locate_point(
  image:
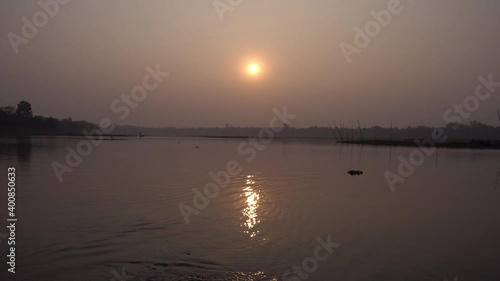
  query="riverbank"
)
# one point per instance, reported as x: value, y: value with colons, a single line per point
x: 471, y: 144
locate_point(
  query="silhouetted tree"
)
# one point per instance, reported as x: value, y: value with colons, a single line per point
x: 24, y: 110
x: 9, y: 110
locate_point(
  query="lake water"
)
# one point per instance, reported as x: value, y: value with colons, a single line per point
x: 116, y: 216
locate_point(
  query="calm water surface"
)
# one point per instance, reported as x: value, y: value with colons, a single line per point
x: 118, y: 212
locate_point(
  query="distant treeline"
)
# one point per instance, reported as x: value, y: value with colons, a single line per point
x: 19, y: 121
x: 472, y: 131
x: 15, y: 121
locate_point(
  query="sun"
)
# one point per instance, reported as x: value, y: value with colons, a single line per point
x: 253, y: 69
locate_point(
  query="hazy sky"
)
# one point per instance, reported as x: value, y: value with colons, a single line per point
x: 91, y: 52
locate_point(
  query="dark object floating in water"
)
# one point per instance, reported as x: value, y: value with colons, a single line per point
x: 355, y: 173
x: 196, y: 147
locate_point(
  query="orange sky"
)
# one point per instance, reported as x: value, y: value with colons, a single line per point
x: 91, y: 52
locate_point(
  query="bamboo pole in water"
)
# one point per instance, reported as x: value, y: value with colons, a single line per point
x: 333, y: 132
x: 341, y: 128
x: 360, y: 131
x: 340, y: 134
x: 390, y: 133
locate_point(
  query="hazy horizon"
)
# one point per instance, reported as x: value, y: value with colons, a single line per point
x: 271, y: 140
x: 426, y: 60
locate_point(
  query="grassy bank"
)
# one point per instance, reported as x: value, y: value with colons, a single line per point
x: 475, y: 144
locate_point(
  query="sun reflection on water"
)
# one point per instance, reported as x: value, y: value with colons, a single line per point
x: 251, y: 207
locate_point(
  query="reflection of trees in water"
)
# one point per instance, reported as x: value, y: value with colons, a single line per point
x: 20, y: 148
x: 497, y: 182
x: 23, y: 149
